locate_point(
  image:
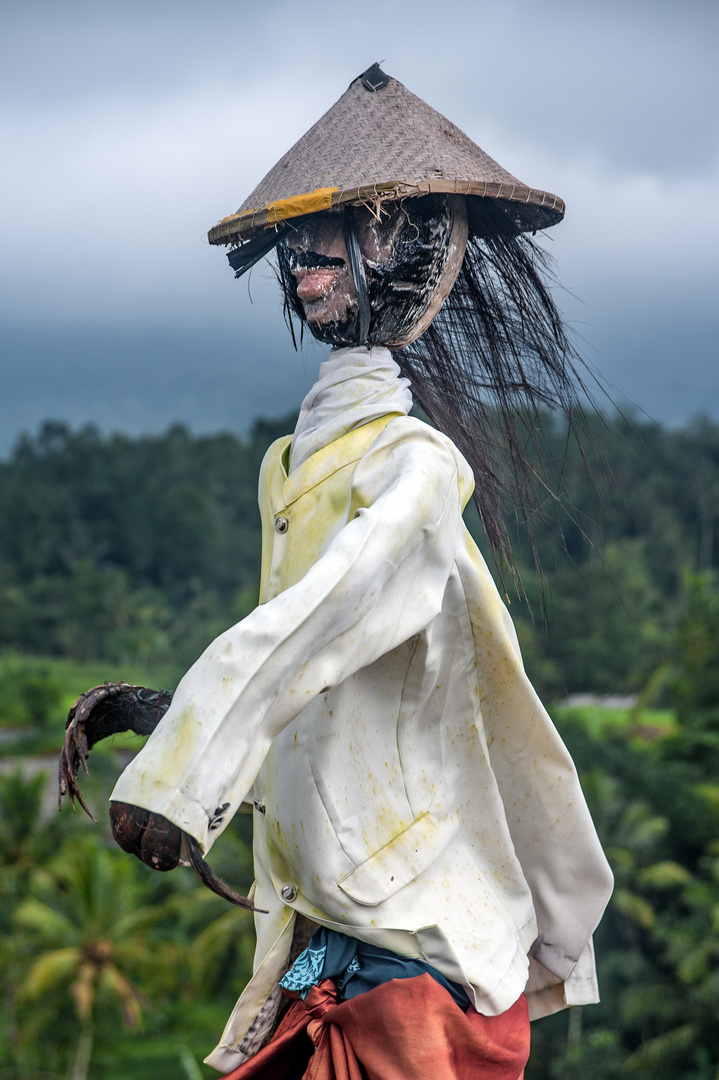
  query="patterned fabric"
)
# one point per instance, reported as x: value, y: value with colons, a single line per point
x: 305, y: 972
x: 405, y: 1028
x: 260, y: 1030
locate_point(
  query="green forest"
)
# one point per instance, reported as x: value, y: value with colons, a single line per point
x: 122, y: 558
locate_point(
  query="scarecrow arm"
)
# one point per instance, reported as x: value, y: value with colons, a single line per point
x: 107, y: 710
x: 102, y: 711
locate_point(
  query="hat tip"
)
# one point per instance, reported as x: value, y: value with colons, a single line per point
x: 374, y: 78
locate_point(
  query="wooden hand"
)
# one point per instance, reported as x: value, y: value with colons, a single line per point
x: 158, y: 843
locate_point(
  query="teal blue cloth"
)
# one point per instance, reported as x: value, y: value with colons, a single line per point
x: 357, y: 967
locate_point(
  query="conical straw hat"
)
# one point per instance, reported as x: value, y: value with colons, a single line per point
x: 379, y: 142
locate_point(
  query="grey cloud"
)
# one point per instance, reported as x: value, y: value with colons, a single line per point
x: 130, y: 128
x: 632, y: 80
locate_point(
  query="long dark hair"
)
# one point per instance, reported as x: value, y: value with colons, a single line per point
x: 490, y: 370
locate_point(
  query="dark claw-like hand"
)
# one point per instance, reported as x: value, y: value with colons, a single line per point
x: 102, y: 711
x: 154, y: 839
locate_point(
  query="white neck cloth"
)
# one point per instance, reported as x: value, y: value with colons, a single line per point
x: 355, y: 385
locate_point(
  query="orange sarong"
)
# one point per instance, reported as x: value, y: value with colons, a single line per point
x: 405, y: 1029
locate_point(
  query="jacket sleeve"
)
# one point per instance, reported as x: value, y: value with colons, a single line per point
x: 380, y: 580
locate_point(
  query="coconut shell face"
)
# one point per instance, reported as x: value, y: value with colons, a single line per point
x: 411, y: 258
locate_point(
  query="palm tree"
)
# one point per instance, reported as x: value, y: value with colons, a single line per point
x: 88, y: 931
x: 26, y: 842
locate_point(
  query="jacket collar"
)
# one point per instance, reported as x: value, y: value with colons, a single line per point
x: 330, y: 459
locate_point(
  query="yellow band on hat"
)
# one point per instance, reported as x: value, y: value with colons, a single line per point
x: 279, y: 209
x: 311, y: 203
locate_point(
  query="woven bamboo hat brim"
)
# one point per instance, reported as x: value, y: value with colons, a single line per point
x: 381, y: 144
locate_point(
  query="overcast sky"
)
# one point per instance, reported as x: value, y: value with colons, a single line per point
x: 128, y: 128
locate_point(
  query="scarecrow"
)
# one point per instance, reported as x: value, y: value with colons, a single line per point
x: 428, y: 877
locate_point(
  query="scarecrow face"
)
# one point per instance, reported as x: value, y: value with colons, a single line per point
x: 319, y: 265
x: 411, y: 258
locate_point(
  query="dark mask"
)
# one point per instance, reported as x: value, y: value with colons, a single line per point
x: 405, y: 265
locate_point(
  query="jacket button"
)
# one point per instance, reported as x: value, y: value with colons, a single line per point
x: 281, y: 524
x: 288, y: 893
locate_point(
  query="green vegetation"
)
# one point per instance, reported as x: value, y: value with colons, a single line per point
x: 122, y: 558
x: 108, y: 969
x: 656, y: 806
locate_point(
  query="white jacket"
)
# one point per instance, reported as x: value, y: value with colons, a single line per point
x: 409, y: 788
